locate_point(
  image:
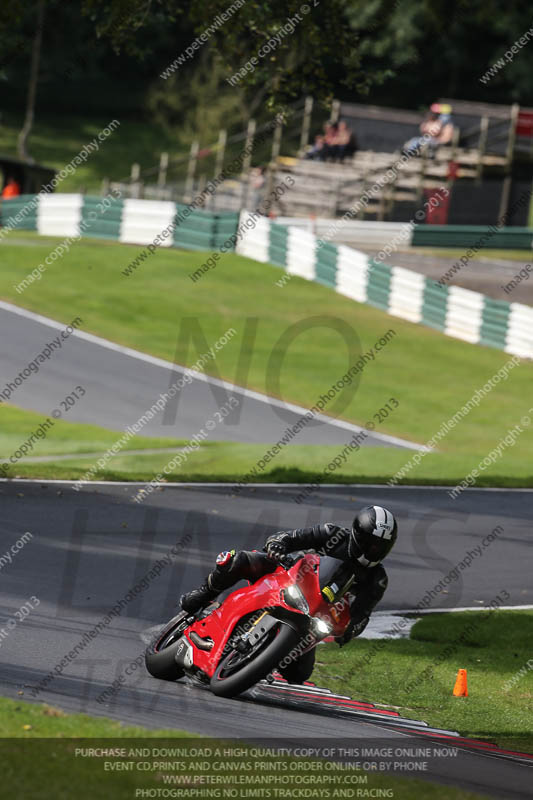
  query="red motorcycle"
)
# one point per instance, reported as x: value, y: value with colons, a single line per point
x: 234, y: 644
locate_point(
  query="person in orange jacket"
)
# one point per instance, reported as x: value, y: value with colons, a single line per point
x: 11, y: 189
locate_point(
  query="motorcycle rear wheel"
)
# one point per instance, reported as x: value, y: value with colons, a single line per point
x: 236, y: 672
x: 160, y: 654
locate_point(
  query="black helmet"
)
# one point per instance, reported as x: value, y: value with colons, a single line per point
x: 374, y: 532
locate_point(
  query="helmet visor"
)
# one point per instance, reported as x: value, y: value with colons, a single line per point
x: 373, y: 548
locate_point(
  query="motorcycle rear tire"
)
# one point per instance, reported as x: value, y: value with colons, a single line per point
x: 161, y: 663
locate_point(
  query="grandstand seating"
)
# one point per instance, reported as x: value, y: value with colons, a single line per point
x: 328, y: 189
x: 331, y: 189
x: 483, y: 147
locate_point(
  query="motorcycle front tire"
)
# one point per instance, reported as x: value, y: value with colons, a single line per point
x: 267, y: 659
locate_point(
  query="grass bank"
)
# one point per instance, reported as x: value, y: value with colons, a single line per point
x: 417, y: 675
x: 431, y: 376
x: 72, y: 449
x: 55, y: 141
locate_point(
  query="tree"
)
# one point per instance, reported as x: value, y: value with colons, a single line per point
x: 32, y: 85
x: 437, y: 48
x: 406, y: 51
x: 396, y: 52
x: 313, y: 46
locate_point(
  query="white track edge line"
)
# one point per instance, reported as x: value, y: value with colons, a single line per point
x: 263, y: 398
x: 450, y: 610
x: 207, y: 484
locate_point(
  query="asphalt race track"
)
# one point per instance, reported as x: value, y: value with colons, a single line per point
x: 121, y: 386
x: 488, y: 275
x: 89, y: 549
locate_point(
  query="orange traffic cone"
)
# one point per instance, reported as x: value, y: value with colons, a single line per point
x: 461, y: 686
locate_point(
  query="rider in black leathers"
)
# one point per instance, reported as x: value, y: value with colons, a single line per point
x: 370, y: 539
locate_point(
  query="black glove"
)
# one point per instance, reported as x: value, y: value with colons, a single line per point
x: 346, y: 636
x: 275, y: 550
x: 354, y: 628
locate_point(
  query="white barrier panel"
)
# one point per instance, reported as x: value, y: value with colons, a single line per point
x: 144, y: 220
x: 352, y: 273
x: 301, y: 247
x: 464, y: 314
x: 519, y: 340
x: 304, y: 223
x: 59, y: 214
x: 367, y: 233
x: 406, y: 294
x: 254, y: 242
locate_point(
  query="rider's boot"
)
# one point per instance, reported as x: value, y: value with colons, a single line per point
x: 220, y: 579
x: 198, y: 598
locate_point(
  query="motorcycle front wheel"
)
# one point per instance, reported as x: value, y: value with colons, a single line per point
x: 238, y: 671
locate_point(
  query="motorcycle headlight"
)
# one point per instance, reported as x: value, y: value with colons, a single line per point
x: 322, y: 628
x: 294, y: 597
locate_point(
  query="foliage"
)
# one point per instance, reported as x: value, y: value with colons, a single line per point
x: 405, y: 53
x: 200, y: 106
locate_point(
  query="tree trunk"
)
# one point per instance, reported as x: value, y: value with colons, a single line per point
x: 32, y: 86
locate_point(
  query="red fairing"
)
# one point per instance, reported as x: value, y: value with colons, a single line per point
x: 265, y: 593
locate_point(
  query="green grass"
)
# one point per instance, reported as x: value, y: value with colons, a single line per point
x: 226, y: 461
x: 17, y: 425
x: 392, y: 672
x: 220, y: 461
x: 64, y: 437
x: 55, y: 769
x: 42, y: 721
x: 431, y: 375
x: 55, y: 143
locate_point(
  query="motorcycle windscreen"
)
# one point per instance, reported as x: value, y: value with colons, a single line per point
x: 335, y: 578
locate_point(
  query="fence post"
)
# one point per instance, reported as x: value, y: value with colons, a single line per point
x: 455, y: 143
x: 248, y: 147
x: 482, y: 145
x: 247, y: 162
x: 191, y: 169
x: 276, y: 147
x: 422, y: 174
x: 221, y: 148
x: 515, y: 109
x: 163, y: 166
x: 335, y: 110
x: 530, y: 210
x: 135, y: 185
x: 506, y: 187
x: 504, y: 199
x: 276, y: 140
x: 360, y: 213
x: 306, y: 124
x: 200, y: 186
